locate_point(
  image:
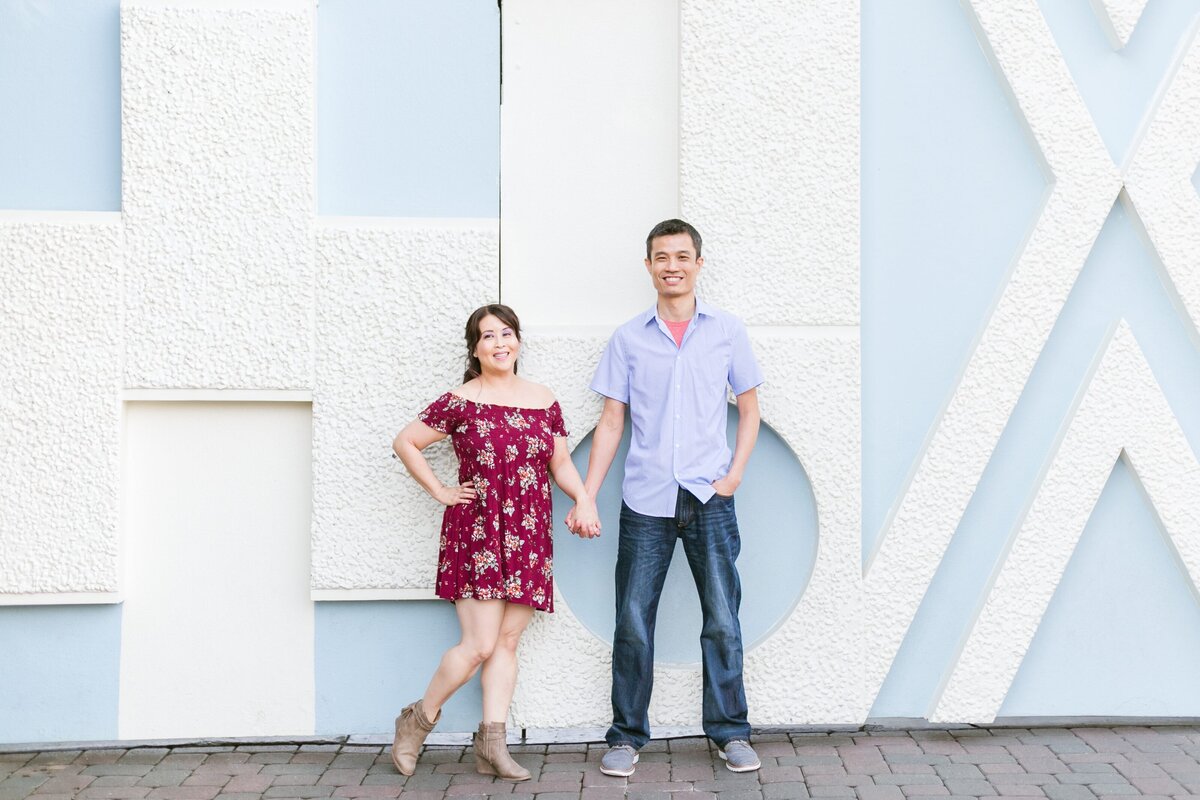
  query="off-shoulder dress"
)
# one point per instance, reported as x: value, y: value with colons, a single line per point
x: 500, y: 547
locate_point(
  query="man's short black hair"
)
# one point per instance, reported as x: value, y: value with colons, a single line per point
x: 670, y: 227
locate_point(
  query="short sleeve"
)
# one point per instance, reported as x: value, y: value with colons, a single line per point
x: 744, y: 373
x: 612, y: 374
x: 558, y: 426
x: 444, y: 414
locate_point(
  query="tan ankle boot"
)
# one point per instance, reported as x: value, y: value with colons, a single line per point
x: 491, y: 753
x: 412, y: 726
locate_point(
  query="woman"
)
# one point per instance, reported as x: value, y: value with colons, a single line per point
x: 495, y: 561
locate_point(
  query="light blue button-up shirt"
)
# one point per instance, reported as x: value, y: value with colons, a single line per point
x: 677, y: 397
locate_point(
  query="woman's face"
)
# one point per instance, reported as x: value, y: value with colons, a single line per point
x: 498, y: 346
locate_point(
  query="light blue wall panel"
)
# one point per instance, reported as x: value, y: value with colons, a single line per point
x: 777, y: 518
x: 408, y: 108
x: 60, y: 105
x: 1119, y: 280
x: 374, y: 658
x: 1096, y: 653
x: 904, y: 50
x: 59, y: 672
x: 1119, y: 87
x: 950, y: 186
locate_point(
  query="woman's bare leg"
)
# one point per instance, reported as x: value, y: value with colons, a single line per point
x: 481, y: 624
x: 499, y: 677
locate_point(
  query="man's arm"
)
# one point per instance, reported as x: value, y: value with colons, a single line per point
x: 605, y: 442
x: 747, y: 435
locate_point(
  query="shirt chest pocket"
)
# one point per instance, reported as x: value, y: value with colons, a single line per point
x: 708, y: 366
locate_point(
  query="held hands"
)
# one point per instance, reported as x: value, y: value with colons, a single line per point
x: 584, y: 520
x: 456, y: 495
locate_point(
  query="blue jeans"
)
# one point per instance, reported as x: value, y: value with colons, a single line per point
x: 711, y: 542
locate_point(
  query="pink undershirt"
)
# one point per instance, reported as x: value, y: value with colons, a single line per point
x: 677, y: 330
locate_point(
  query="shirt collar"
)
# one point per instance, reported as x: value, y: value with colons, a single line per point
x: 702, y: 309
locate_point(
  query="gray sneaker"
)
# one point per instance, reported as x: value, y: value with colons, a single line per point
x: 739, y: 756
x: 619, y: 761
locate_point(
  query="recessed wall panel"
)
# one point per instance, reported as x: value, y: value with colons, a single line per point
x: 590, y: 152
x: 217, y: 634
x: 408, y: 108
x: 60, y: 88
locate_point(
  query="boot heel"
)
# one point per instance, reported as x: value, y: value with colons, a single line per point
x: 483, y: 766
x: 491, y: 754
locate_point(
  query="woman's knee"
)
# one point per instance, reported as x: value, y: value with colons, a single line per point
x: 508, y: 640
x: 516, y: 619
x: 478, y: 652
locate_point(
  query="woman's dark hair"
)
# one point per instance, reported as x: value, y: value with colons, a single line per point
x: 500, y: 312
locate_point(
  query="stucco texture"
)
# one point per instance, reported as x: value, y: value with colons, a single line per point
x: 769, y: 156
x: 60, y: 370
x: 218, y: 163
x: 392, y: 303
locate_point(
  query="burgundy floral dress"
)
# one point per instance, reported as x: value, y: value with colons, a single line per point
x: 499, y: 547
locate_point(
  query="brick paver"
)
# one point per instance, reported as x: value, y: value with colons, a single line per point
x: 1153, y: 762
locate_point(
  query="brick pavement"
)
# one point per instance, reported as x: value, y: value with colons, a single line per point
x: 1055, y: 763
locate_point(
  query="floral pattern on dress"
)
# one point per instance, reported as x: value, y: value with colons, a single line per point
x: 500, y: 547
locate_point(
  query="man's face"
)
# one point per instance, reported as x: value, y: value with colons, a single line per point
x: 673, y: 265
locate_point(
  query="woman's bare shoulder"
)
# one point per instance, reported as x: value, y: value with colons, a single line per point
x: 538, y: 396
x: 468, y: 390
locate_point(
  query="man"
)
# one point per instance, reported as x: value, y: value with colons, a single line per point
x: 672, y: 366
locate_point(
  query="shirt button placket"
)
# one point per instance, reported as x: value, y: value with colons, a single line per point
x: 675, y: 424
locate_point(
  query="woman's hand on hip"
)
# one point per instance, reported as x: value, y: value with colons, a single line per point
x: 457, y: 495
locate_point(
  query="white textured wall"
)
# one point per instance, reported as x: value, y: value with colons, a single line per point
x: 60, y: 367
x: 393, y: 300
x: 218, y: 160
x: 1118, y: 18
x: 217, y: 275
x: 768, y: 139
